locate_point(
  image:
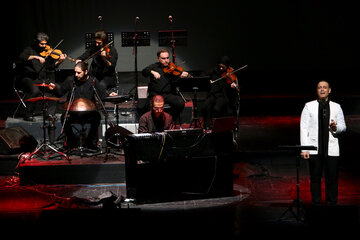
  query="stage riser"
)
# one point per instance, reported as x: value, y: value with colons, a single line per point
x: 128, y: 121
x: 35, y: 128
x: 72, y: 173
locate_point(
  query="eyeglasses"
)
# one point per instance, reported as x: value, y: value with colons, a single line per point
x: 158, y: 109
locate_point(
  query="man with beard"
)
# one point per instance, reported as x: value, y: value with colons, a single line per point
x: 83, y: 88
x: 104, y: 62
x: 35, y: 68
x: 155, y: 120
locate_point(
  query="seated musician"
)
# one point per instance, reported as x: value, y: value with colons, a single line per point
x: 155, y: 120
x: 165, y: 84
x: 222, y: 96
x: 81, y: 86
x: 34, y: 68
x: 103, y: 64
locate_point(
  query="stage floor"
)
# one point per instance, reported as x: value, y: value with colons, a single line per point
x: 264, y: 188
x: 264, y: 182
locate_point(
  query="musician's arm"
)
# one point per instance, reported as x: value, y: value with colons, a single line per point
x: 143, y: 126
x: 85, y: 55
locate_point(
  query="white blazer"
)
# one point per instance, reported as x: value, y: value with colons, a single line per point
x: 309, y: 126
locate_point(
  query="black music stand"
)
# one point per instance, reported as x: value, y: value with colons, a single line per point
x: 196, y: 83
x: 168, y: 38
x: 300, y: 212
x: 135, y: 39
x: 90, y: 39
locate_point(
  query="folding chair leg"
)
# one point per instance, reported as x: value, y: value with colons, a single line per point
x: 20, y: 103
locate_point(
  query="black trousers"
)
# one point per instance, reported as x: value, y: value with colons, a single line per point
x: 329, y: 165
x: 214, y: 106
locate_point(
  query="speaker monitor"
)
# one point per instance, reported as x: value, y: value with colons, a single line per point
x: 16, y: 140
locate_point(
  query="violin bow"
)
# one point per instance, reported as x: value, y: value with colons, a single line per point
x: 245, y: 66
x: 91, y: 56
x: 57, y: 45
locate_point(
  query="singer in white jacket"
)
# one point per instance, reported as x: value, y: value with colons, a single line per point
x: 320, y: 125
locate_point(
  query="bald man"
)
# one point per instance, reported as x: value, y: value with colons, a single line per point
x: 155, y: 120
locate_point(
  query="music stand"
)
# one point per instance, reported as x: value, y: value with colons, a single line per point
x: 135, y: 39
x: 197, y: 83
x: 300, y: 212
x: 90, y: 38
x: 165, y: 37
x: 168, y: 38
x: 128, y: 39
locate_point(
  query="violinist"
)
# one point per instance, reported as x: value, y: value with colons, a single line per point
x: 34, y: 67
x: 163, y: 82
x: 222, y: 96
x: 103, y: 65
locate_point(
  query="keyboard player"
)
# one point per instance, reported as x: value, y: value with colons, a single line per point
x: 156, y: 120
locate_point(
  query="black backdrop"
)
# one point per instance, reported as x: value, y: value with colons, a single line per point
x: 287, y: 44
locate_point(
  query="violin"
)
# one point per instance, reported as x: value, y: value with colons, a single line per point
x: 173, y: 69
x: 229, y: 75
x: 105, y: 48
x: 55, y: 54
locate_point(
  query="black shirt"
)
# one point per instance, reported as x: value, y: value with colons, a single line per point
x: 324, y: 117
x: 217, y: 88
x: 165, y: 84
x: 82, y: 89
x: 99, y: 67
x: 34, y: 69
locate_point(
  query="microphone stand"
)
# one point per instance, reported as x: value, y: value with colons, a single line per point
x: 99, y: 99
x: 237, y: 128
x: 71, y: 100
x: 172, y: 40
x: 135, y: 56
x: 135, y: 61
x: 106, y: 114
